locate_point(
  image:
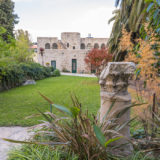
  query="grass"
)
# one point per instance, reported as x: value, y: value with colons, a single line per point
x: 19, y: 103
x: 38, y: 152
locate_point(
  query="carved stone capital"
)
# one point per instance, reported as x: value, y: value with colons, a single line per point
x: 114, y: 78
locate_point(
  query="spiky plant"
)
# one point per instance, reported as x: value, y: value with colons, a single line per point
x: 81, y: 133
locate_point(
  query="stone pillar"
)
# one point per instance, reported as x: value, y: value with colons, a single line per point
x: 114, y: 87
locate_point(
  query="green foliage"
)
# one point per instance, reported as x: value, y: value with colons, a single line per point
x: 56, y: 73
x: 153, y: 18
x: 13, y: 74
x: 80, y: 133
x: 133, y: 15
x: 38, y: 152
x: 4, y: 46
x: 65, y: 70
x: 19, y: 103
x: 129, y: 15
x: 17, y: 50
x: 21, y: 51
x: 7, y: 18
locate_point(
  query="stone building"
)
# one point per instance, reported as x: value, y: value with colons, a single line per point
x: 68, y: 53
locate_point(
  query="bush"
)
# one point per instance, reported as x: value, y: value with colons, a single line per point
x: 40, y: 152
x: 79, y: 134
x: 65, y: 70
x: 56, y: 73
x: 13, y: 75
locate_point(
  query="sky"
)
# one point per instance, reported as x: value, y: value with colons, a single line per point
x: 48, y: 18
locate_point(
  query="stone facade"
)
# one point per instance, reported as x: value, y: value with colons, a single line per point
x: 69, y: 52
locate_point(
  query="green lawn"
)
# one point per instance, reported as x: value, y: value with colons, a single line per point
x: 19, y: 103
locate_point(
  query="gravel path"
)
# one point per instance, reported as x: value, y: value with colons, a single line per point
x: 79, y: 75
x: 16, y: 133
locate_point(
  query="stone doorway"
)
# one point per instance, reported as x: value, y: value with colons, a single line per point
x: 74, y: 66
x: 53, y: 64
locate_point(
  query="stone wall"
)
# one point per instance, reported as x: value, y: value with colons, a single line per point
x: 64, y: 58
x: 68, y: 48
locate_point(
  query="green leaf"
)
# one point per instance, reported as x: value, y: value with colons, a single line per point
x: 75, y: 111
x: 39, y: 143
x: 45, y: 116
x: 150, y: 6
x: 148, y: 1
x: 158, y: 1
x: 46, y: 98
x: 112, y: 140
x: 123, y: 111
x: 109, y: 110
x: 156, y: 13
x: 99, y: 135
x: 63, y: 109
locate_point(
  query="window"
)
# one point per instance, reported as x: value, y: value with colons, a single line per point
x: 89, y: 46
x: 96, y: 46
x: 82, y: 46
x: 67, y: 45
x: 74, y: 47
x: 103, y: 46
x: 54, y: 46
x: 47, y: 46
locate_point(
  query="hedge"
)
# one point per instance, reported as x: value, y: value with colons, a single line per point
x: 14, y: 75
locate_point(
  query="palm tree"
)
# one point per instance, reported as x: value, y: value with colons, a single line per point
x: 130, y: 15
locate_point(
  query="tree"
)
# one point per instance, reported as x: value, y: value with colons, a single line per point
x: 18, y: 50
x: 21, y: 34
x: 5, y: 48
x: 153, y: 18
x: 97, y: 59
x: 7, y: 18
x: 146, y: 55
x: 22, y: 52
x: 129, y: 15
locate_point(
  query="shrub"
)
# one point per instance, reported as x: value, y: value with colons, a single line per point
x: 12, y: 75
x: 40, y: 152
x: 82, y: 134
x: 65, y: 70
x: 56, y: 73
x: 97, y: 59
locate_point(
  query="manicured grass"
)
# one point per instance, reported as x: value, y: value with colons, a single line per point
x: 19, y: 103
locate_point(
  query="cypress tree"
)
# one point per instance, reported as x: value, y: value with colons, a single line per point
x: 7, y: 18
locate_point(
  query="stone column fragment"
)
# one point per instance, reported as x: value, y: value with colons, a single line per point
x: 114, y: 87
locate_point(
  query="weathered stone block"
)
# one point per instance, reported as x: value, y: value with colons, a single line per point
x: 114, y: 88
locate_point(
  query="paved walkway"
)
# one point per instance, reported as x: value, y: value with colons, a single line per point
x: 15, y: 133
x: 76, y: 74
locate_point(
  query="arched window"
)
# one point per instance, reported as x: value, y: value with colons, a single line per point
x: 103, y: 46
x: 54, y: 46
x: 96, y: 46
x: 89, y: 45
x: 67, y: 45
x: 47, y: 46
x: 74, y: 47
x: 82, y: 46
